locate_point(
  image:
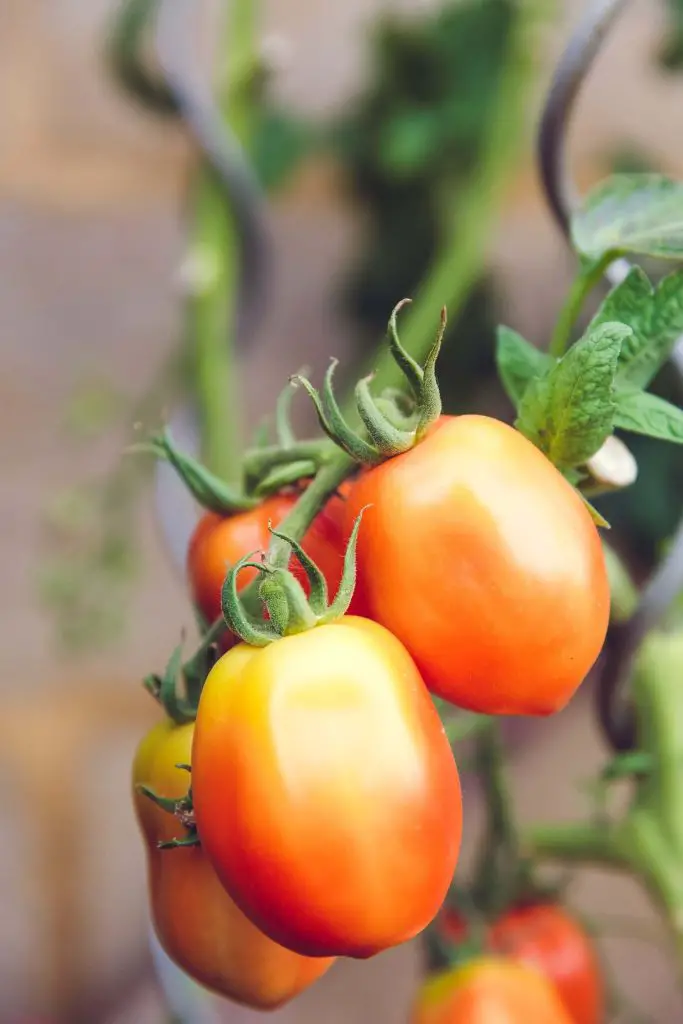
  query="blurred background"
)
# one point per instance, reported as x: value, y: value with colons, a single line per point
x: 372, y: 117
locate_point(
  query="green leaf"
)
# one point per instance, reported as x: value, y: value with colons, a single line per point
x: 518, y: 363
x: 637, y: 213
x: 655, y: 315
x: 643, y: 413
x: 569, y: 413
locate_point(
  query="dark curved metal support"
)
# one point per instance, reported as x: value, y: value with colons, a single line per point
x: 572, y: 69
x: 615, y: 710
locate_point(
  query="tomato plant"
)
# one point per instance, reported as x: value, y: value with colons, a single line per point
x: 489, y: 991
x: 219, y: 541
x: 197, y: 923
x: 481, y: 558
x: 547, y: 937
x: 325, y: 790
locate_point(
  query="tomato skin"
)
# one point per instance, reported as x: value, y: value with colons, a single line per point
x: 325, y: 790
x: 489, y: 991
x: 547, y: 937
x: 196, y: 922
x: 481, y: 558
x: 218, y: 542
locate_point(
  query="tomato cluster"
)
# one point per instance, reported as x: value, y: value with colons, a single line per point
x: 325, y: 797
x: 543, y: 935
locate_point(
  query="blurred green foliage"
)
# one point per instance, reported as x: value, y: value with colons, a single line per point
x: 413, y: 137
x: 671, y: 53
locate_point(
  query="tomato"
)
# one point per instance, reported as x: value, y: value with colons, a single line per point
x: 220, y: 541
x: 481, y: 558
x: 489, y: 991
x: 325, y: 790
x: 197, y: 923
x: 547, y: 937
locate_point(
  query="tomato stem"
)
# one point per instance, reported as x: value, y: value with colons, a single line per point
x: 212, y: 308
x: 575, y: 842
x: 258, y: 462
x: 501, y: 868
x: 470, y: 211
x: 584, y: 283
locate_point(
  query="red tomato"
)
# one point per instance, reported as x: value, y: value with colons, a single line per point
x: 545, y: 936
x: 481, y: 558
x: 489, y: 991
x: 197, y: 923
x: 325, y: 790
x: 220, y: 541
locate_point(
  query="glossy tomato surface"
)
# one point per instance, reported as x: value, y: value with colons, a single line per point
x: 197, y: 923
x: 325, y: 790
x: 546, y: 936
x: 220, y: 541
x: 479, y: 556
x: 489, y: 991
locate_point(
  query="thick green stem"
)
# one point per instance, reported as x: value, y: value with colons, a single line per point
x: 583, y: 285
x: 580, y: 842
x: 469, y: 217
x: 213, y: 306
x: 624, y: 593
x: 295, y: 524
x: 657, y: 692
x: 500, y: 868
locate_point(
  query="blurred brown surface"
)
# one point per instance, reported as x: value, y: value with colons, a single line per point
x: 90, y: 244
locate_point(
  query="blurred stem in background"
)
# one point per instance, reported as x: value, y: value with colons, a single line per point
x: 215, y: 257
x: 469, y: 212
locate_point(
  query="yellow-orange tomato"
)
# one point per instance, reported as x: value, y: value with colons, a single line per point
x: 481, y: 558
x: 490, y: 991
x: 197, y: 923
x: 218, y: 542
x: 325, y: 791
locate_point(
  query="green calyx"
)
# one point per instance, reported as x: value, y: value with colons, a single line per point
x: 182, y: 809
x: 267, y: 468
x: 188, y: 679
x: 289, y: 609
x: 393, y: 421
x: 210, y: 491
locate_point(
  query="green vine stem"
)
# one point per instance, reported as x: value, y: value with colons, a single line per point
x: 215, y: 260
x: 313, y: 499
x: 583, y: 285
x: 624, y: 594
x: 499, y: 865
x: 575, y: 843
x: 648, y: 840
x: 469, y: 216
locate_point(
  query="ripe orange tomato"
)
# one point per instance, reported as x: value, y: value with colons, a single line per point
x: 481, y: 558
x: 220, y: 541
x: 325, y: 790
x: 197, y: 923
x: 545, y: 936
x: 489, y: 991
